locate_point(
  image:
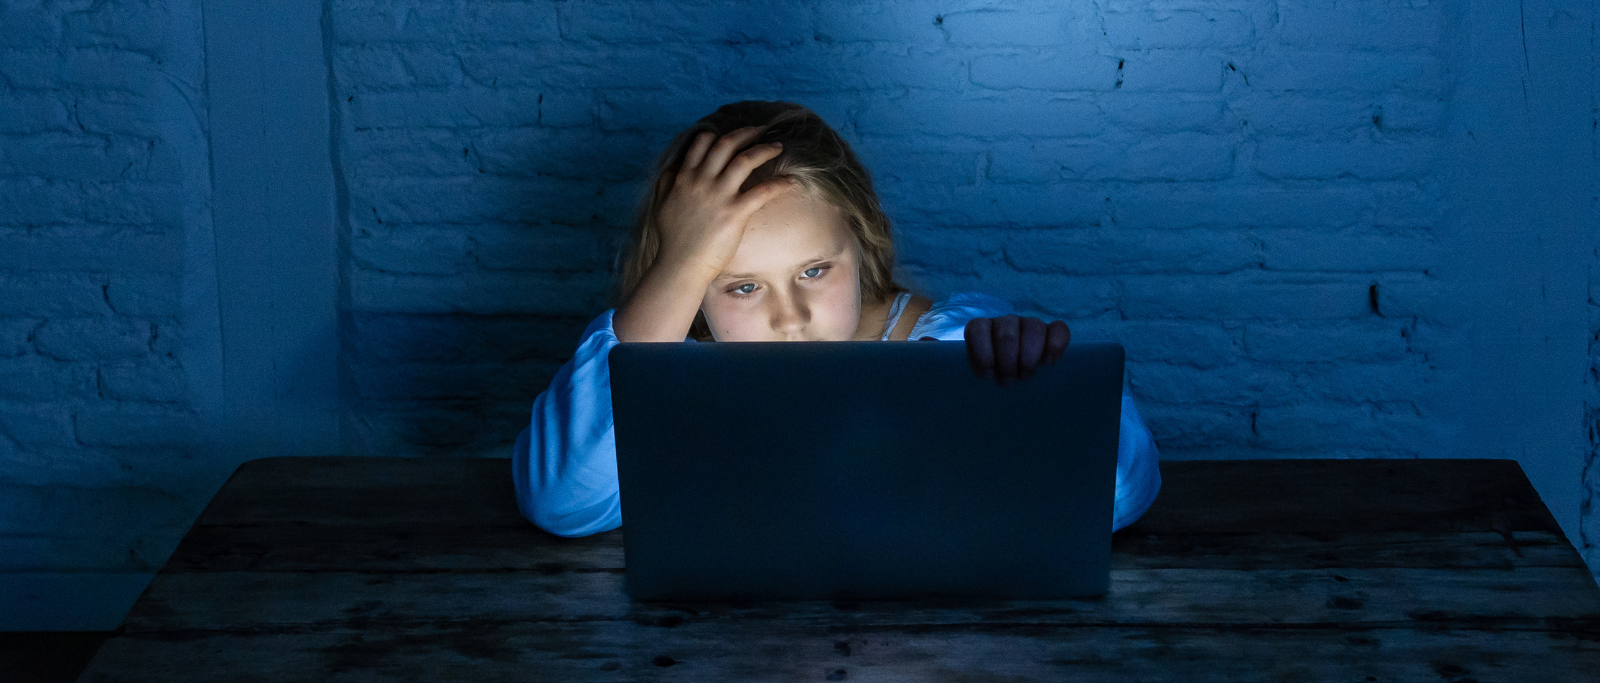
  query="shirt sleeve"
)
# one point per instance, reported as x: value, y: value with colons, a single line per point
x: 564, y: 465
x: 1138, y: 471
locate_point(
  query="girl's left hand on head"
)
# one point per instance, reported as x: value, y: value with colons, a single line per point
x: 1009, y: 348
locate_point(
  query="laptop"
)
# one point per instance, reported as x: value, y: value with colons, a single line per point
x: 862, y: 470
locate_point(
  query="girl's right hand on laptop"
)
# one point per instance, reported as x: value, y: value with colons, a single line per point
x: 1011, y: 348
x: 704, y: 215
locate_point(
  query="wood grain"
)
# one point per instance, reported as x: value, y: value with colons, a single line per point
x: 351, y: 569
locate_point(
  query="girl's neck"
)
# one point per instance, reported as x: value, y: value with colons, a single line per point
x: 874, y: 315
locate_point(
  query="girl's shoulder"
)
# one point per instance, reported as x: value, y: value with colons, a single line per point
x: 947, y: 318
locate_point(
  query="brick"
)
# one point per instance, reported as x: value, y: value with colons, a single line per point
x: 149, y: 381
x: 481, y: 199
x: 901, y: 163
x: 573, y: 67
x: 1344, y: 71
x: 1061, y: 296
x: 1408, y: 294
x: 1113, y: 250
x: 142, y: 427
x: 37, y: 424
x: 1245, y: 295
x: 1164, y: 112
x: 399, y: 152
x: 1322, y: 426
x: 409, y: 250
x: 1171, y: 71
x: 375, y: 68
x: 825, y: 68
x: 31, y: 26
x: 483, y: 428
x: 569, y: 154
x: 1014, y: 28
x: 97, y: 67
x: 508, y: 21
x: 391, y: 21
x: 1240, y: 383
x: 79, y: 511
x: 566, y: 109
x: 456, y: 108
x: 1309, y: 342
x: 1053, y: 71
x: 415, y: 381
x: 125, y: 26
x: 1162, y: 29
x: 16, y: 336
x: 36, y: 378
x: 538, y: 248
x: 578, y: 294
x: 22, y: 112
x: 92, y: 249
x: 1347, y: 250
x: 1172, y: 157
x: 627, y: 22
x: 1011, y: 205
x: 148, y: 296
x: 1405, y: 205
x: 924, y: 115
x: 30, y: 69
x: 1273, y: 384
x: 1315, y: 159
x: 94, y: 338
x: 1200, y: 205
x: 657, y: 111
x: 1367, y: 26
x: 1196, y: 425
x: 43, y: 295
x: 35, y: 201
x: 117, y: 112
x: 902, y: 23
x: 461, y: 339
x: 1200, y: 344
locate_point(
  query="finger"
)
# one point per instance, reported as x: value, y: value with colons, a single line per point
x: 980, y: 347
x: 665, y: 183
x: 1031, y: 347
x: 697, y: 150
x: 754, y: 198
x: 1056, y: 342
x: 1005, y: 349
x: 742, y: 166
x: 722, y: 150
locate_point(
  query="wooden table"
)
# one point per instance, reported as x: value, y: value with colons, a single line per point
x: 363, y: 569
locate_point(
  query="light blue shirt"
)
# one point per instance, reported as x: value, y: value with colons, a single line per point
x: 565, y: 462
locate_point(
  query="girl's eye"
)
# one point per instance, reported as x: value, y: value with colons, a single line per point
x: 745, y: 288
x: 812, y: 272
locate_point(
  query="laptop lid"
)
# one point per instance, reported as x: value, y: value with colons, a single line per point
x: 862, y: 470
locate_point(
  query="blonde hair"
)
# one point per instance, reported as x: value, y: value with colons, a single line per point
x: 813, y: 154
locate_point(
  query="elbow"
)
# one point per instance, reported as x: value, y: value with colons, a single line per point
x: 557, y: 509
x: 574, y: 522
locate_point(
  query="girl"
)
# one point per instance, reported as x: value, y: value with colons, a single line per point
x: 761, y: 225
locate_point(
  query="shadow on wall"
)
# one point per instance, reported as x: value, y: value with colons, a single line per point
x: 1130, y: 171
x: 488, y: 205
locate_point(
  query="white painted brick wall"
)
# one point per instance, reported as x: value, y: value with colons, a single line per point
x: 95, y: 411
x: 1228, y: 188
x: 1245, y: 193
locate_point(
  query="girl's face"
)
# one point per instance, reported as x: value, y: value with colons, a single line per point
x: 795, y: 277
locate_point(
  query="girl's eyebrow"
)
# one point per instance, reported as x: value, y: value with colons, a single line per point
x: 812, y: 260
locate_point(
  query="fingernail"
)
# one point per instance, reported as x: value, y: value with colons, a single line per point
x: 779, y: 145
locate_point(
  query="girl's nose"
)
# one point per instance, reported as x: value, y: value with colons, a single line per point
x: 790, y: 315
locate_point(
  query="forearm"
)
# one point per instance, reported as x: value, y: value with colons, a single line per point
x: 662, y: 308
